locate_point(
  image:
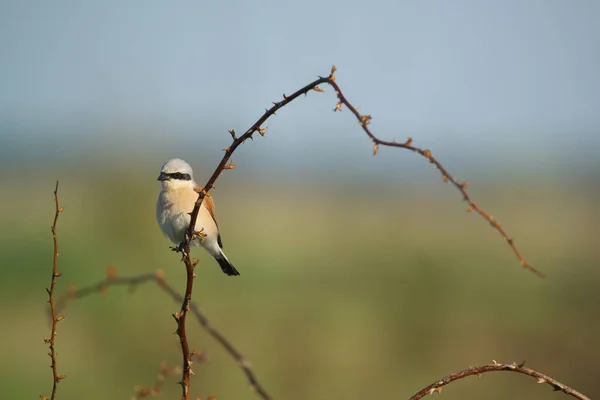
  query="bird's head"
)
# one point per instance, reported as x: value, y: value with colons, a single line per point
x: 176, y: 174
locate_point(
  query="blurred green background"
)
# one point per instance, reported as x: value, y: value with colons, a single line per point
x: 348, y: 289
x: 361, y: 276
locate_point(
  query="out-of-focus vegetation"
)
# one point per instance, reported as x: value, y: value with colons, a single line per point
x: 346, y: 290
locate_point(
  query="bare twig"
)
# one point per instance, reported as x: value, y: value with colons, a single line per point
x: 461, y: 186
x: 180, y: 318
x: 478, y: 371
x: 158, y: 277
x: 55, y: 320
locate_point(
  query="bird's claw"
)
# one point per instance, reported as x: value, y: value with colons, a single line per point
x: 178, y: 249
x: 200, y: 235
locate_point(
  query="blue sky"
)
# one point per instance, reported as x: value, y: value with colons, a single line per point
x: 489, y: 75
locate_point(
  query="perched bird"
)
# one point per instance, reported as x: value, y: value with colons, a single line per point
x: 176, y: 202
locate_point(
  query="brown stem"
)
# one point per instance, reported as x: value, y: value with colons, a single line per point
x: 55, y: 320
x: 496, y: 367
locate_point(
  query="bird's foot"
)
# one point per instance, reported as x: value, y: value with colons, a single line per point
x: 200, y: 235
x: 178, y: 249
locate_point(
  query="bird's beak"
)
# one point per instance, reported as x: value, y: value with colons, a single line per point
x: 163, y: 177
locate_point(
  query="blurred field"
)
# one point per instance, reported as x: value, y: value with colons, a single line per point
x: 346, y: 292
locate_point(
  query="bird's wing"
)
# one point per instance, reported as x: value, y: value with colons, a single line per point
x: 210, y: 206
x: 208, y: 203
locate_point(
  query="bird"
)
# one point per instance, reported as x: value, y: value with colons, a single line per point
x: 176, y: 201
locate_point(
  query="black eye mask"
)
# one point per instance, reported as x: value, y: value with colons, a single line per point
x: 180, y: 176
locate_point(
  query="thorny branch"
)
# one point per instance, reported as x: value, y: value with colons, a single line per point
x: 461, y: 186
x: 55, y: 320
x: 364, y: 121
x: 478, y: 371
x: 158, y: 277
x: 257, y: 127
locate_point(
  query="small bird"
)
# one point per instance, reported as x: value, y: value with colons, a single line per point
x: 175, y: 203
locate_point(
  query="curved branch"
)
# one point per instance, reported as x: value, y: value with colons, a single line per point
x: 257, y: 127
x: 364, y: 121
x: 496, y: 367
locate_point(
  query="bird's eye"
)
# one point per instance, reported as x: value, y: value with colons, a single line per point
x: 180, y: 176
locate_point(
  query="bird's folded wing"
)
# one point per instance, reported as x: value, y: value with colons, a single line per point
x: 209, y: 203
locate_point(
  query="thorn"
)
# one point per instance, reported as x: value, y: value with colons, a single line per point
x: 60, y: 318
x: 284, y: 97
x: 435, y: 389
x: 332, y: 73
x: 541, y: 380
x: 262, y: 131
x: 494, y: 223
x: 338, y: 107
x: 495, y: 362
x: 318, y: 89
x: 227, y: 149
x: 375, y: 149
x: 408, y: 142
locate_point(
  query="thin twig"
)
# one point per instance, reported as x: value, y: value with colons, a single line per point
x: 495, y: 367
x: 158, y: 277
x: 55, y: 320
x: 181, y: 316
x: 461, y: 186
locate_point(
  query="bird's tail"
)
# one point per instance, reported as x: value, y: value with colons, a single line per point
x: 225, y: 265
